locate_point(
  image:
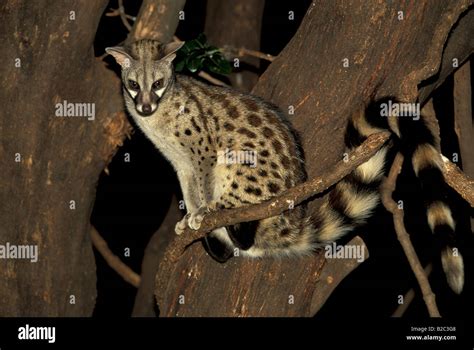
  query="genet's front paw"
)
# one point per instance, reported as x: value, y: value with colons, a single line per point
x: 195, y: 218
x: 181, y: 225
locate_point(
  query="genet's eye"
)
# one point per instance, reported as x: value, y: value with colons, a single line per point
x: 133, y: 85
x: 158, y: 84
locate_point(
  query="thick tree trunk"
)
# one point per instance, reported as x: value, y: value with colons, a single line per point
x: 50, y: 164
x: 343, y: 54
x: 238, y: 24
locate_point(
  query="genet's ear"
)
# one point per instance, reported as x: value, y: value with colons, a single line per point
x: 170, y: 51
x: 120, y: 55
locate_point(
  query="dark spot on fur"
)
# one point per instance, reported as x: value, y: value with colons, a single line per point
x: 199, y: 151
x: 216, y: 122
x: 254, y: 120
x: 285, y: 232
x: 263, y: 161
x: 253, y: 190
x: 206, y: 149
x: 285, y: 161
x: 229, y: 126
x: 273, y: 187
x: 195, y: 126
x: 276, y: 175
x: 186, y: 110
x: 251, y: 104
x: 288, y: 183
x: 267, y: 132
x: 252, y: 178
x: 192, y: 150
x: 209, y: 140
x: 264, y: 153
x: 277, y: 146
x: 176, y: 134
x: 249, y: 144
x: 239, y: 173
x: 274, y: 165
x: 247, y: 132
x: 233, y: 112
x: 187, y: 132
x: 262, y: 173
x: 234, y: 185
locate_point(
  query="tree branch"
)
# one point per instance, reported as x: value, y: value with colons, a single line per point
x: 410, y: 295
x: 113, y: 261
x: 459, y: 181
x: 272, y: 207
x: 157, y: 19
x: 242, y: 51
x: 123, y: 15
x: 387, y: 188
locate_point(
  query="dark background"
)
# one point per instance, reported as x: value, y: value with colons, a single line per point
x: 134, y: 197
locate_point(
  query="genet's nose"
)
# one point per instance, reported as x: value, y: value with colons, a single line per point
x: 146, y: 109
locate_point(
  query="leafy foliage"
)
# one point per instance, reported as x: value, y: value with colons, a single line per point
x: 197, y: 54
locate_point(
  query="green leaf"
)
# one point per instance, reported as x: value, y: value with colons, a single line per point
x: 197, y: 54
x: 179, y: 65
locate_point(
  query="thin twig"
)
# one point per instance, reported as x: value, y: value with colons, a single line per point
x: 242, y: 51
x: 409, y: 296
x: 458, y: 181
x: 113, y: 261
x: 123, y: 15
x: 272, y: 207
x: 387, y: 188
x: 116, y: 12
x: 211, y: 79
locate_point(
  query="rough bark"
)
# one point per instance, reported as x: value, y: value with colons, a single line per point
x: 238, y: 24
x: 275, y: 288
x: 157, y: 19
x: 463, y: 118
x: 61, y: 157
x: 387, y: 56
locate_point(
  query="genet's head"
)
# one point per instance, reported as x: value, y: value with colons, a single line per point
x: 147, y: 71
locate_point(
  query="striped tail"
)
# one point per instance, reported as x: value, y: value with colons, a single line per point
x: 354, y: 198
